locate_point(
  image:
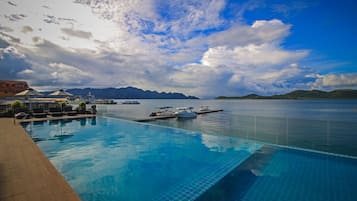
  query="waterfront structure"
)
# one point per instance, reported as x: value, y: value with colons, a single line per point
x: 9, y: 88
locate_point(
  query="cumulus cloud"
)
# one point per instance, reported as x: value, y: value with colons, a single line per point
x: 77, y: 33
x: 26, y: 29
x: 185, y: 46
x: 11, y: 62
x: 258, y: 64
x: 6, y: 29
x: 10, y: 50
x: 15, y: 17
x: 336, y: 80
x: 265, y: 54
x: 261, y: 31
x: 58, y: 74
x: 50, y: 19
x: 11, y: 3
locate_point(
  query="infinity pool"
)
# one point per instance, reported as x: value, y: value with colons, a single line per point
x: 110, y: 159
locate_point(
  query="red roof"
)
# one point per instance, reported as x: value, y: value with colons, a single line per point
x: 9, y: 88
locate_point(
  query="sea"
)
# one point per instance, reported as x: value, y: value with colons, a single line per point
x: 321, y: 125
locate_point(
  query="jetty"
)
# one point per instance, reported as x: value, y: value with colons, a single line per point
x: 162, y: 117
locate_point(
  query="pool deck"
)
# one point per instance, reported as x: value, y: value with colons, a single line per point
x: 25, y: 172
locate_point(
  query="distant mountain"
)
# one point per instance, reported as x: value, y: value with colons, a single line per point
x: 128, y: 93
x: 303, y: 94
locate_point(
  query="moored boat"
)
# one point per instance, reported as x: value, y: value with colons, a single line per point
x: 130, y: 102
x: 204, y: 108
x: 163, y: 111
x: 105, y: 101
x: 185, y: 113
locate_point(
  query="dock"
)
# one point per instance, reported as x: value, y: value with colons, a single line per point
x: 207, y: 111
x: 174, y: 116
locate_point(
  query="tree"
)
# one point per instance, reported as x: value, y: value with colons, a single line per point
x: 82, y: 107
x: 16, y: 105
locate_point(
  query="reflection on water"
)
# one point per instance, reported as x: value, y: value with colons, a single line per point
x: 93, y: 121
x: 54, y: 122
x: 319, y: 124
x: 39, y: 122
x: 63, y: 137
x: 59, y: 130
x: 83, y: 121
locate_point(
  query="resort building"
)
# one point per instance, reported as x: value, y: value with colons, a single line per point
x: 9, y: 88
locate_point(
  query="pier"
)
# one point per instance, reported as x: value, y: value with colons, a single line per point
x: 174, y: 116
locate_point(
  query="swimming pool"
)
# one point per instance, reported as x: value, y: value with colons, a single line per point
x: 110, y: 159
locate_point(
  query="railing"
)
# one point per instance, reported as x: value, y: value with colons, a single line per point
x: 334, y: 136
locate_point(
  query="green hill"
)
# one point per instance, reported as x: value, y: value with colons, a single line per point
x: 303, y: 94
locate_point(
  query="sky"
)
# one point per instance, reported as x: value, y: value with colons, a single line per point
x: 203, y: 48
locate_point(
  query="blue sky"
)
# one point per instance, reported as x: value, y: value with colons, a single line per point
x: 203, y: 48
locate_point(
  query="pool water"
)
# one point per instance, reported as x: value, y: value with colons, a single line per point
x: 111, y: 159
x: 276, y: 173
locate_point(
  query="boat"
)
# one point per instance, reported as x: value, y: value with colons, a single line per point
x: 89, y: 98
x: 163, y: 111
x: 130, y: 102
x: 204, y: 109
x: 185, y: 113
x: 105, y: 101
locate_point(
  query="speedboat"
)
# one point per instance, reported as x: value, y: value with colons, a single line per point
x: 185, y: 113
x: 105, y: 101
x: 204, y: 109
x: 163, y: 111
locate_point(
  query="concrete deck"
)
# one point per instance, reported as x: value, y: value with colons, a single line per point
x: 25, y: 172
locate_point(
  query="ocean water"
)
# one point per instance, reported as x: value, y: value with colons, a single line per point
x: 323, y: 125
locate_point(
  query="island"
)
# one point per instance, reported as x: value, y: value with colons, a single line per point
x: 303, y: 94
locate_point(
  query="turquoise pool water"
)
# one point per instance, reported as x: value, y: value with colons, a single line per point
x: 111, y: 159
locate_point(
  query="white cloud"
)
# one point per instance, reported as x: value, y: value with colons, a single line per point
x: 265, y: 54
x: 47, y: 22
x: 77, y: 33
x: 143, y: 44
x: 336, y: 80
x: 11, y: 50
x: 245, y: 67
x: 26, y: 29
x: 261, y: 31
x: 56, y: 74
